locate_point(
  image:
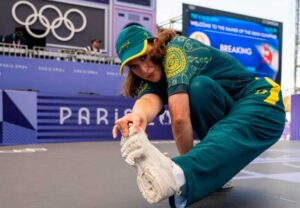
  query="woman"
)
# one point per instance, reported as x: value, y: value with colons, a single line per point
x: 235, y: 115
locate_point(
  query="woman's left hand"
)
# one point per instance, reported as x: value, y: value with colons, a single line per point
x: 135, y: 120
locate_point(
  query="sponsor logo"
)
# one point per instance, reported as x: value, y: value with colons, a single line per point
x: 165, y: 118
x: 200, y: 36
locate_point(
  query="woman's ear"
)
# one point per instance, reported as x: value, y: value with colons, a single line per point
x: 155, y: 39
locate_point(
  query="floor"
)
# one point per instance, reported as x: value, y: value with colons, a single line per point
x: 93, y: 175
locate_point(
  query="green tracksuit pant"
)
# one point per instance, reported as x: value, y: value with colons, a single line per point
x: 232, y: 133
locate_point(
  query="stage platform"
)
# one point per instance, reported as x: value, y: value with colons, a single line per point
x: 93, y: 175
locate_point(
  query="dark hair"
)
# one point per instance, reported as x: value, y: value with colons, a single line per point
x: 20, y: 29
x: 96, y: 40
x: 133, y: 84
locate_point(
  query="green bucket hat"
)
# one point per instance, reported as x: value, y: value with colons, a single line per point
x: 132, y: 43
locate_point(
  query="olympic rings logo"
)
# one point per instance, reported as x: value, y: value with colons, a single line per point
x: 56, y: 23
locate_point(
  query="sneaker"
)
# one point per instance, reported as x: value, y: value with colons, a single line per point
x: 227, y: 185
x: 155, y: 178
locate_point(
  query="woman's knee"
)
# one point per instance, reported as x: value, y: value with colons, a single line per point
x: 207, y: 95
x: 201, y: 89
x: 201, y: 84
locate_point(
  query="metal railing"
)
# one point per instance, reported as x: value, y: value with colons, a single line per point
x: 74, y: 55
x: 13, y: 49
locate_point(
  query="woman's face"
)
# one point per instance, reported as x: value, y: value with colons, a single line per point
x: 144, y: 68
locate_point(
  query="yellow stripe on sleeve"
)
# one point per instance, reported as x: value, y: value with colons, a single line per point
x: 273, y: 98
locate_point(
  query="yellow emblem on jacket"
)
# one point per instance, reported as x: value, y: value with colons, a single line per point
x: 174, y: 62
x: 143, y: 87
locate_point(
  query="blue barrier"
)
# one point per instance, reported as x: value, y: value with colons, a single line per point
x: 31, y: 117
x: 295, y: 117
x: 18, y: 117
x: 52, y: 76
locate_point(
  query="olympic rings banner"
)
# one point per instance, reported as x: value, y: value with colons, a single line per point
x: 30, y: 117
x: 54, y: 25
x: 52, y: 76
x: 60, y: 23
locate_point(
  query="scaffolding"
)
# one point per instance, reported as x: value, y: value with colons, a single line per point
x: 172, y: 23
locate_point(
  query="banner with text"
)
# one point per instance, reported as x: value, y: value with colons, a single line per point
x: 30, y: 117
x: 255, y: 42
x: 89, y: 118
x: 52, y: 76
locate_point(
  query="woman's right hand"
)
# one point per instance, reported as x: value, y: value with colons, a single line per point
x: 137, y: 121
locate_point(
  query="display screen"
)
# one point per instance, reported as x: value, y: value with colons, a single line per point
x: 137, y: 2
x: 99, y: 1
x: 255, y: 42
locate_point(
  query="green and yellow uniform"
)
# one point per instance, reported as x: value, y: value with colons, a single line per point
x: 236, y: 115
